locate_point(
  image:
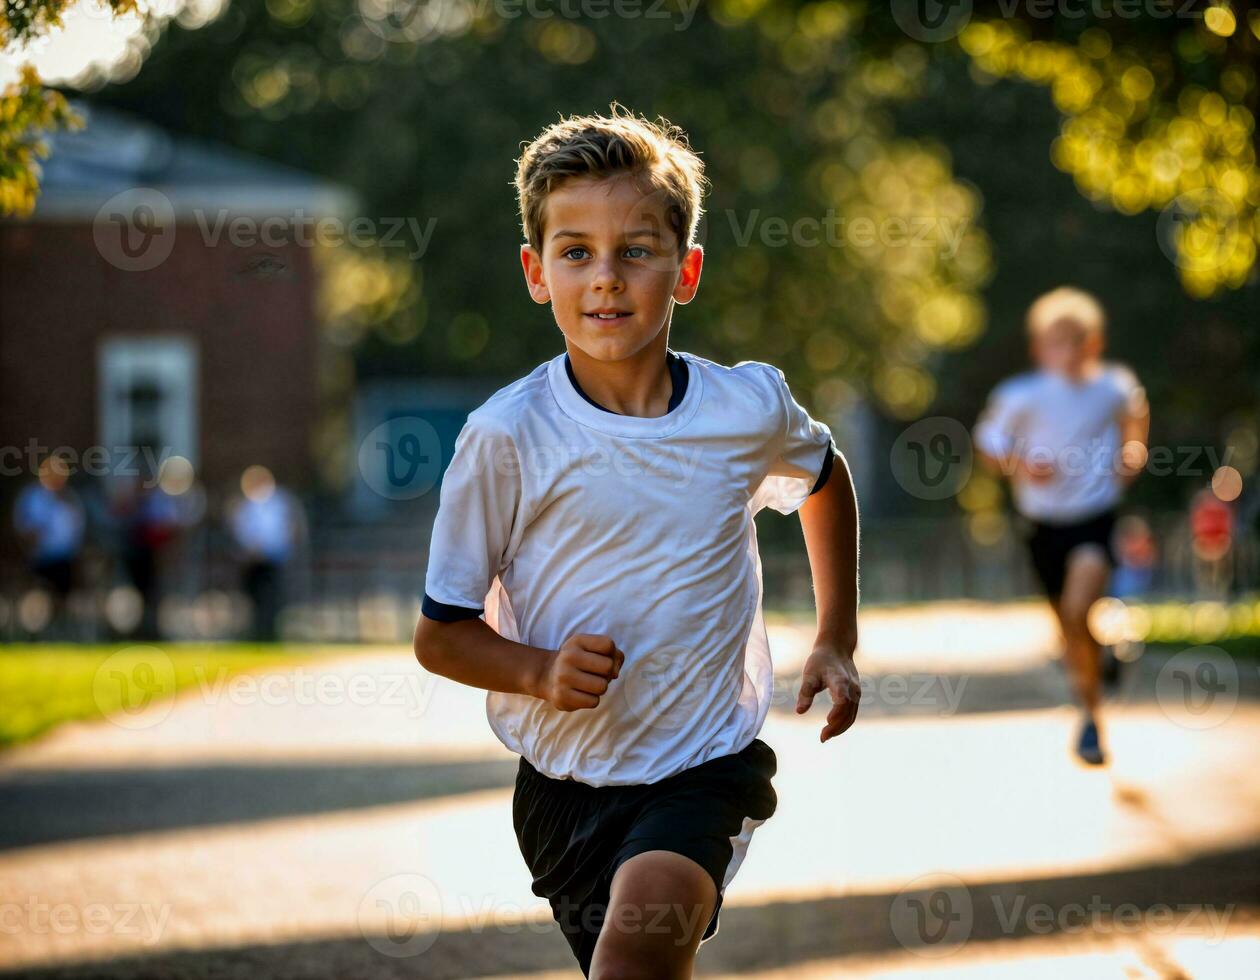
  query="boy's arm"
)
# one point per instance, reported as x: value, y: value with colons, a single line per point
x: 829, y: 519
x: 1135, y: 430
x: 1006, y: 465
x: 999, y: 464
x: 479, y: 506
x: 471, y: 652
x: 996, y: 447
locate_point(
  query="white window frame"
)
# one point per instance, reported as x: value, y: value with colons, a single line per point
x: 170, y: 363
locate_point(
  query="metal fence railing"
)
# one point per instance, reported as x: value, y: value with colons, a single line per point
x: 355, y: 582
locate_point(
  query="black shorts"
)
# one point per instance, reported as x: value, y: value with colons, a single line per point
x: 574, y: 836
x: 58, y: 573
x: 1050, y: 545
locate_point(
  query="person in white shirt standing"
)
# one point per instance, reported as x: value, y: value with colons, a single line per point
x: 1070, y: 436
x: 267, y: 525
x: 50, y: 522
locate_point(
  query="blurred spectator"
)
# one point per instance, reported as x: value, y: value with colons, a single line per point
x: 267, y: 525
x: 1136, y: 552
x: 154, y: 515
x: 49, y: 520
x: 1212, y: 536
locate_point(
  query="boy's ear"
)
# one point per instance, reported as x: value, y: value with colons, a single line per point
x: 689, y: 275
x: 535, y: 281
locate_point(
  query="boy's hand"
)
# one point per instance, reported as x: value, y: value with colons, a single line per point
x: 579, y: 673
x: 1133, y: 456
x: 831, y: 667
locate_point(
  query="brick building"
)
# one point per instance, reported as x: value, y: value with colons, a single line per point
x: 163, y: 295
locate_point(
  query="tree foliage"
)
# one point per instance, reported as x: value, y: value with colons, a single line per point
x: 842, y: 242
x: 1153, y: 120
x: 27, y: 109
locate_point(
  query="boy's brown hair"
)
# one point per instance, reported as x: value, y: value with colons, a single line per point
x: 656, y: 153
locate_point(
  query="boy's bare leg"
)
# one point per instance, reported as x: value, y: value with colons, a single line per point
x: 1083, y: 585
x: 659, y: 905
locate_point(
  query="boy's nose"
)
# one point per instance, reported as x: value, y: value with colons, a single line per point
x: 608, y: 277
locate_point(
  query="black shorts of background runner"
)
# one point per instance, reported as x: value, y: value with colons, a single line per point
x: 1050, y: 545
x: 574, y: 836
x: 58, y: 573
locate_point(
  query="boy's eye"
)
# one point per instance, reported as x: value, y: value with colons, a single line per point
x: 568, y: 254
x: 643, y: 252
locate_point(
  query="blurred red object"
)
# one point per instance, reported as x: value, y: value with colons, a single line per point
x: 1211, y: 526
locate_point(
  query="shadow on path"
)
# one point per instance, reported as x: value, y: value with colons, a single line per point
x: 45, y: 806
x: 763, y: 937
x: 924, y: 692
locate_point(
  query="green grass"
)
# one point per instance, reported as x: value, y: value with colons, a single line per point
x: 1239, y: 647
x: 1221, y: 624
x: 43, y: 685
x: 1162, y: 626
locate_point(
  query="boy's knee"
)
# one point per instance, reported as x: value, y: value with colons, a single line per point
x: 1075, y: 619
x: 624, y: 969
x: 1087, y: 569
x: 658, y: 911
x: 625, y: 961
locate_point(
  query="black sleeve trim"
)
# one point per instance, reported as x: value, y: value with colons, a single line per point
x: 828, y: 462
x: 446, y: 613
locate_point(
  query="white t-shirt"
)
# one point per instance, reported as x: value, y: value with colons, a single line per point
x: 1075, y: 426
x: 264, y: 527
x: 559, y: 517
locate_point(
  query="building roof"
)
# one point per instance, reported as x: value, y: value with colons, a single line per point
x: 117, y: 152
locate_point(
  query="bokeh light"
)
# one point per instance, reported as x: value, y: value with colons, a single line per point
x: 1134, y: 141
x: 1227, y: 484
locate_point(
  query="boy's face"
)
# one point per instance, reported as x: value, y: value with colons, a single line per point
x: 1065, y: 347
x: 607, y: 247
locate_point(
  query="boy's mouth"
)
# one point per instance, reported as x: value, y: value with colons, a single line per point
x: 609, y: 316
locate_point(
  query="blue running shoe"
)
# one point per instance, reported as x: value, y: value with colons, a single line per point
x: 1088, y: 747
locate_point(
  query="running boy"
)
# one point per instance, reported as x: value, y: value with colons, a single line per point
x: 1070, y: 436
x: 598, y: 513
